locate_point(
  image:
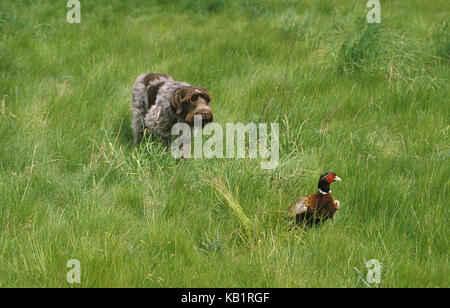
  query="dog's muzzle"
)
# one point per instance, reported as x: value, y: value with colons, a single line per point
x: 207, y: 116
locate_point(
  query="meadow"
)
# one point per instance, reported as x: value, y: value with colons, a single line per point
x: 367, y: 101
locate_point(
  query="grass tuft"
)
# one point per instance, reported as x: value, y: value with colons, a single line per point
x: 363, y: 48
x: 441, y: 39
x: 223, y: 190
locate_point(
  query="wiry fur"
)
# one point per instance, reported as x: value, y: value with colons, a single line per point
x: 158, y: 102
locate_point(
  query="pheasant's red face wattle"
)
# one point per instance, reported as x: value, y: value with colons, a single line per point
x: 330, y: 177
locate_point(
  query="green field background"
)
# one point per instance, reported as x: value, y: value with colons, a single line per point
x: 367, y: 101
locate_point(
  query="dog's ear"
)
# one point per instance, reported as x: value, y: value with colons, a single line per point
x: 177, y: 100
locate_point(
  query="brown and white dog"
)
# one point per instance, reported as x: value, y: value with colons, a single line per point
x: 159, y: 102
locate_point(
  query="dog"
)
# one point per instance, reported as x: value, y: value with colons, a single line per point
x: 159, y: 102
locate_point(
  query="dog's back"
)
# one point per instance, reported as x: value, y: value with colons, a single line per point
x: 145, y: 91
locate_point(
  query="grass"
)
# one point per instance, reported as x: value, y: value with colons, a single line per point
x: 369, y: 102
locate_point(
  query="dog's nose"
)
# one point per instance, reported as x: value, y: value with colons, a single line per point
x: 206, y: 115
x: 206, y: 118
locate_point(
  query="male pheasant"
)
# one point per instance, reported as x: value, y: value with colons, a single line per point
x: 313, y: 209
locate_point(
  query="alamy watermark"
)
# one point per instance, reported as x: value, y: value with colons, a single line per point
x: 374, y: 15
x: 74, y: 14
x: 74, y: 274
x: 261, y: 143
x: 373, y: 276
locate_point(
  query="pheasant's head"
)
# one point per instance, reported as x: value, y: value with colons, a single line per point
x: 325, y: 180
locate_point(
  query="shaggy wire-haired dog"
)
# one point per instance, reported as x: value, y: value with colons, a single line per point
x: 159, y: 102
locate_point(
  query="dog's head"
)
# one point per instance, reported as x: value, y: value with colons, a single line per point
x: 190, y: 101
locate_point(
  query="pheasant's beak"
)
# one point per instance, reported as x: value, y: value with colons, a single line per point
x: 337, y: 179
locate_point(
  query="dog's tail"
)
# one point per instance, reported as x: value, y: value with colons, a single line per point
x: 139, y: 107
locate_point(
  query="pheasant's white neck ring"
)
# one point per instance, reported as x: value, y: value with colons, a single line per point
x: 324, y: 193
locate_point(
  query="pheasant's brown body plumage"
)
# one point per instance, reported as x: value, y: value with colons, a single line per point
x: 315, y: 208
x: 312, y: 209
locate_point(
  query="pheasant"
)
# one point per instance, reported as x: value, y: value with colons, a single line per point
x: 313, y: 209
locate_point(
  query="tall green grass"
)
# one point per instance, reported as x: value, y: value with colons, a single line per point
x: 369, y: 102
